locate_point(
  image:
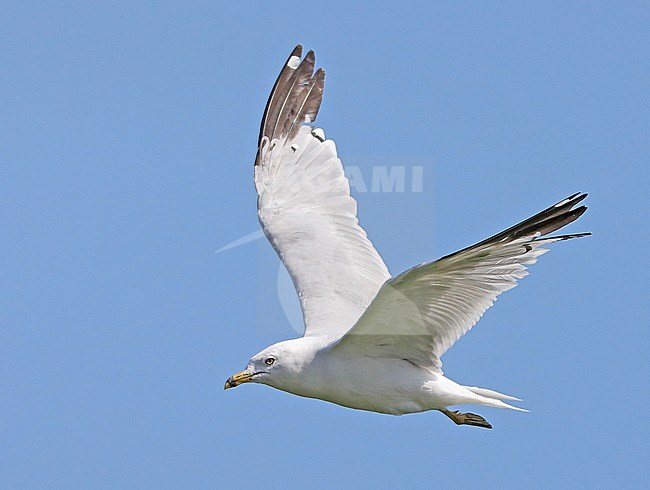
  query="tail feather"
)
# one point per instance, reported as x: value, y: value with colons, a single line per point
x: 491, y: 402
x: 491, y: 394
x: 493, y: 398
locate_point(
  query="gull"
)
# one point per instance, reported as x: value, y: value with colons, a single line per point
x: 372, y: 342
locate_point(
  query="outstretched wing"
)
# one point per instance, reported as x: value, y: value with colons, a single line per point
x: 305, y: 208
x: 421, y: 313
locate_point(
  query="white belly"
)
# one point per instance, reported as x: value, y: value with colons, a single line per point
x: 392, y: 386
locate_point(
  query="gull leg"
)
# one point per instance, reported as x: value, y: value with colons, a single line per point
x: 467, y: 419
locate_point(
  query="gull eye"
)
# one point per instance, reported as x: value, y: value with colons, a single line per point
x: 269, y: 361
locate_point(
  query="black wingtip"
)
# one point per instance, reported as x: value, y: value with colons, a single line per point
x: 567, y: 237
x: 547, y: 221
x: 570, y: 201
x: 309, y: 59
x: 297, y: 51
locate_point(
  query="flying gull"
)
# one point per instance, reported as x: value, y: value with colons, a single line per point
x: 372, y: 341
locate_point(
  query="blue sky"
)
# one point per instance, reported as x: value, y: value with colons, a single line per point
x: 128, y: 137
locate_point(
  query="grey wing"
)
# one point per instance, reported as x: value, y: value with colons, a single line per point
x: 305, y: 207
x: 421, y: 313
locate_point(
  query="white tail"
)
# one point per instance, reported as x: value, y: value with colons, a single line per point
x: 493, y: 398
x: 491, y: 394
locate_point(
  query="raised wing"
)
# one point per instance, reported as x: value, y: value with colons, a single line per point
x: 421, y: 313
x: 305, y: 208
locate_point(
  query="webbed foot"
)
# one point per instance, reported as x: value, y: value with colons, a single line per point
x: 467, y: 419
